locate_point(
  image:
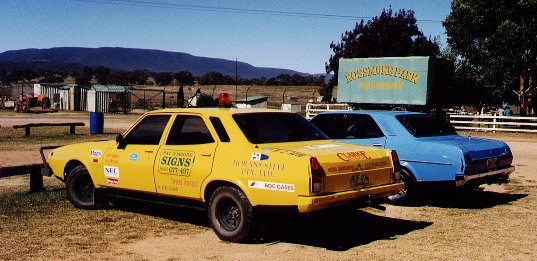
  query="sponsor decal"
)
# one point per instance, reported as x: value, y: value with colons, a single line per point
x: 353, y: 155
x: 133, y: 156
x: 259, y: 156
x: 346, y: 168
x: 370, y: 164
x: 271, y: 186
x: 257, y: 168
x: 111, y: 158
x: 112, y: 181
x: 96, y: 153
x: 286, y: 152
x: 184, y: 182
x: 323, y: 146
x: 376, y: 164
x: 176, y: 162
x: 110, y: 171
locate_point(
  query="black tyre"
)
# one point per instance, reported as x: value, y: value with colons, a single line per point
x: 231, y: 215
x: 407, y: 192
x: 81, y: 191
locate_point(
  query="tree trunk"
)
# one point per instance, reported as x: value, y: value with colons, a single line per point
x: 525, y: 93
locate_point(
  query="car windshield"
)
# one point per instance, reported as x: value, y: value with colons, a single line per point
x: 425, y: 125
x: 277, y: 127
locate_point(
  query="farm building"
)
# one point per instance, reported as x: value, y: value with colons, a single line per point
x: 104, y: 98
x: 61, y: 96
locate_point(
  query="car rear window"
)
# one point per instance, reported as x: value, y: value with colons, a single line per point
x: 347, y: 126
x: 425, y: 125
x: 271, y: 127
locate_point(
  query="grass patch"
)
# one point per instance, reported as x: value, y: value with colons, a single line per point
x: 46, y: 225
x: 13, y: 139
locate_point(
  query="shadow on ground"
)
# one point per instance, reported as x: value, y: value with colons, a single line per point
x: 472, y: 199
x: 339, y: 229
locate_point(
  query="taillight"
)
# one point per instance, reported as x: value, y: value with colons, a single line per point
x: 468, y: 166
x: 316, y: 176
x: 396, y: 166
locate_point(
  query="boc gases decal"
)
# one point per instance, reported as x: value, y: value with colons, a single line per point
x: 176, y: 162
x: 271, y: 186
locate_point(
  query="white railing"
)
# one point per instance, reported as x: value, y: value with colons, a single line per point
x: 313, y: 109
x: 494, y: 123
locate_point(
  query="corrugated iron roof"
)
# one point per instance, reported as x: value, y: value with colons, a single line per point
x: 109, y: 88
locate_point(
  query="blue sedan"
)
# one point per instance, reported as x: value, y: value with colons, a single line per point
x: 429, y: 149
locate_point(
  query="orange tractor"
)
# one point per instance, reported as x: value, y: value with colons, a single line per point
x: 29, y: 102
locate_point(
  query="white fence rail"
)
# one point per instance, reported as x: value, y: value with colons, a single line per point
x: 494, y: 123
x: 313, y: 109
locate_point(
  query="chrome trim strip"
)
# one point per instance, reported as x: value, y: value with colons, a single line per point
x: 505, y: 172
x: 426, y: 162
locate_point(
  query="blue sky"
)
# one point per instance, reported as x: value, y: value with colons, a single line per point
x: 275, y: 40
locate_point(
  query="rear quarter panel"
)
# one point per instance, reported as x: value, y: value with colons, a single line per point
x: 267, y: 177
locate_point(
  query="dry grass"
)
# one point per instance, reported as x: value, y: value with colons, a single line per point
x: 46, y: 226
x: 480, y: 225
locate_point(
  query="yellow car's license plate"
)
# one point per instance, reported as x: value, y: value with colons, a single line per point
x: 359, y: 180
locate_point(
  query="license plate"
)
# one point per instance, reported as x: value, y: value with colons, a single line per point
x: 492, y: 163
x: 359, y: 180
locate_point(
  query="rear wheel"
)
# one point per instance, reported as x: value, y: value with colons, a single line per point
x: 81, y: 191
x: 231, y: 215
x: 407, y: 192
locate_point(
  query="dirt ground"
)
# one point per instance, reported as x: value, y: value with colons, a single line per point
x: 499, y: 222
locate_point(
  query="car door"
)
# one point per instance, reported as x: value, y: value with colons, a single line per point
x: 186, y: 158
x: 130, y: 164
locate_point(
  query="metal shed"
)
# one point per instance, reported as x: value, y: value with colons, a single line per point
x: 107, y: 98
x: 60, y: 95
x: 252, y: 102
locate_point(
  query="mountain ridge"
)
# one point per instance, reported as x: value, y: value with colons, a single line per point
x: 119, y: 58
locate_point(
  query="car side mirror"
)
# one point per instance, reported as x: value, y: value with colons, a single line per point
x: 120, y: 141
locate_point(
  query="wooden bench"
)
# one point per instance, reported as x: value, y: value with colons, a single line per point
x: 27, y: 127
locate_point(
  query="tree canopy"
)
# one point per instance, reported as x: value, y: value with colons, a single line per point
x: 388, y: 35
x: 498, y: 42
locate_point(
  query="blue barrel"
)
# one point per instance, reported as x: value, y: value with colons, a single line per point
x: 96, y: 122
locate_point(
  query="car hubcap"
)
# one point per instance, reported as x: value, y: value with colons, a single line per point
x: 84, y: 189
x: 229, y: 215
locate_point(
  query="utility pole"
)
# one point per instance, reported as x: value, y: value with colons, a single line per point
x: 236, y: 75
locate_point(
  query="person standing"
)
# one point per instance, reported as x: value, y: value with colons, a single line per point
x: 507, y: 111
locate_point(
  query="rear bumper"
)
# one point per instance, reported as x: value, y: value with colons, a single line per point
x: 312, y: 203
x: 495, y: 176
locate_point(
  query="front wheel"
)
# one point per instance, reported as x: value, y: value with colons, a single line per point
x: 408, y: 190
x: 81, y: 191
x: 231, y: 215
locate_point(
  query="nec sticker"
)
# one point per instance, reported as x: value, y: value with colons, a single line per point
x: 259, y: 156
x: 112, y: 172
x: 96, y: 153
x: 271, y: 186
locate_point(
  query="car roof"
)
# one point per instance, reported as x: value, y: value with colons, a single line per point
x: 377, y: 112
x: 216, y: 111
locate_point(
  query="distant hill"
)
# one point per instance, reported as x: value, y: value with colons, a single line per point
x: 68, y: 59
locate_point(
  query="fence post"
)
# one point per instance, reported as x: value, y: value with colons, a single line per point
x: 494, y: 123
